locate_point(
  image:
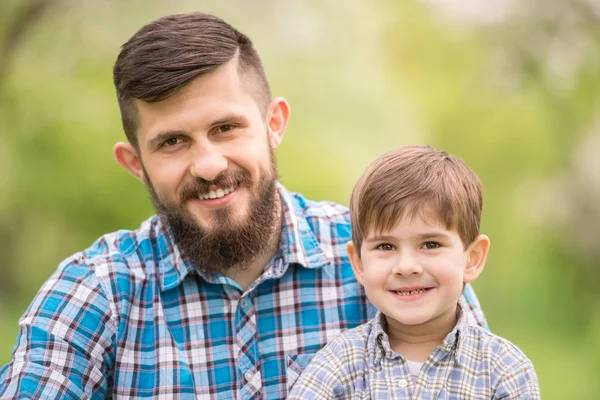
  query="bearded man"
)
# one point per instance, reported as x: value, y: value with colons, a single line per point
x: 232, y: 287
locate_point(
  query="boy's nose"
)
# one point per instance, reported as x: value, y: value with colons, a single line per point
x: 407, y: 265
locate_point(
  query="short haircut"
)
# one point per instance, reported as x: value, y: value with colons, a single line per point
x: 403, y: 182
x: 167, y: 54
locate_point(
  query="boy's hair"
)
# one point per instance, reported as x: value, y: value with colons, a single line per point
x: 167, y: 54
x: 403, y: 182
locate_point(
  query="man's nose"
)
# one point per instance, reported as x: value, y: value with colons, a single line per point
x: 407, y: 264
x: 208, y: 160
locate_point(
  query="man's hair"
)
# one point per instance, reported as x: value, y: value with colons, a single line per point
x: 167, y: 54
x: 405, y: 181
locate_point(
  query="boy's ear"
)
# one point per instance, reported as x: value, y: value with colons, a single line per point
x: 355, y: 261
x: 476, y: 257
x: 127, y: 156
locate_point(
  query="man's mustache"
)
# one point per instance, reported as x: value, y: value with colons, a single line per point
x: 224, y: 180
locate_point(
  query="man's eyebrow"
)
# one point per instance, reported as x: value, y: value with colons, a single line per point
x: 164, y: 135
x: 229, y: 118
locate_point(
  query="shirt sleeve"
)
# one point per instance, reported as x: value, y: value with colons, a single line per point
x: 64, y: 347
x: 322, y: 379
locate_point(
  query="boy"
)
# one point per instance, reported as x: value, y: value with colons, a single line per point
x: 415, y: 216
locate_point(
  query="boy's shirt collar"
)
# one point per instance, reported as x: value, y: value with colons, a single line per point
x: 451, y: 345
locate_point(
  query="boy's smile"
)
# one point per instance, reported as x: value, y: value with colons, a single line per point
x: 414, y: 272
x: 411, y: 293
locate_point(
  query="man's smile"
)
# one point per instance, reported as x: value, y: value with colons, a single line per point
x: 217, y: 194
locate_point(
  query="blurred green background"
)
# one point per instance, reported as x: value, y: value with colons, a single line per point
x: 512, y: 87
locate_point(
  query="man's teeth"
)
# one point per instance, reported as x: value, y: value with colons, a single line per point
x: 410, y: 292
x: 216, y: 194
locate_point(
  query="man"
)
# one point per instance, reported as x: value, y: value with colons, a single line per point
x: 235, y: 284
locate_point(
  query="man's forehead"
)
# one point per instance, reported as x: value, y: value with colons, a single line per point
x: 207, y: 98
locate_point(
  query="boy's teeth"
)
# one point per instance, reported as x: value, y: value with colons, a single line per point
x: 216, y: 194
x: 410, y: 292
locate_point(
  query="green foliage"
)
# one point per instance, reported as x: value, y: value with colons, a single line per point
x: 361, y: 80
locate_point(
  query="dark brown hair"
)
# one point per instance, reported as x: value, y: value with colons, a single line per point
x: 167, y: 54
x: 404, y: 181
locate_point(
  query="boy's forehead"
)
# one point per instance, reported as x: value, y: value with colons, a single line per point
x: 425, y: 215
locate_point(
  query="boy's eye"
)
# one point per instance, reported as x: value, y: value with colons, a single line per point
x: 431, y: 245
x: 385, y: 247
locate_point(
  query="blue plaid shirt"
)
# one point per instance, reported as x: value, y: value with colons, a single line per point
x: 471, y: 363
x: 129, y: 318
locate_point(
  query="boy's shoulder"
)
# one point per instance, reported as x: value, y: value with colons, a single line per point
x: 356, y: 337
x: 496, y: 352
x: 507, y: 371
x: 474, y: 345
x: 476, y: 348
x: 351, y: 346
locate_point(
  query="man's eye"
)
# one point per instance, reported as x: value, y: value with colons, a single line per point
x: 172, y: 142
x: 385, y: 247
x: 224, y: 128
x: 431, y: 245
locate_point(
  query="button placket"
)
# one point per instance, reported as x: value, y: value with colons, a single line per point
x: 247, y: 344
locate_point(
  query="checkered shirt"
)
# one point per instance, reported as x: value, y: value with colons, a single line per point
x: 471, y: 363
x: 129, y: 318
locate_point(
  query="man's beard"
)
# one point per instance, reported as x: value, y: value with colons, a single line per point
x: 224, y: 245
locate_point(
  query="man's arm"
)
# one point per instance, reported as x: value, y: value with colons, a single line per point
x: 65, y: 344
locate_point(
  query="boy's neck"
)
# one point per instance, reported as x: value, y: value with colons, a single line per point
x: 416, y: 342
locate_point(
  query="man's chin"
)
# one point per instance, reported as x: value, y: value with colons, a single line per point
x: 224, y: 219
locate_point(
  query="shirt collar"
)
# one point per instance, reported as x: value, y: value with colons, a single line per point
x: 298, y: 241
x: 453, y: 343
x: 172, y: 267
x: 298, y: 244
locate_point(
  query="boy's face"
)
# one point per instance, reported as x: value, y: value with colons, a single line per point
x: 415, y: 272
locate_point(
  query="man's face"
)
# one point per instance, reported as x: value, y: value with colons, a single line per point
x: 208, y: 161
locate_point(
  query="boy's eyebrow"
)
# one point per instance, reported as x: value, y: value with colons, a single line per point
x: 377, y: 238
x: 422, y: 236
x: 433, y: 235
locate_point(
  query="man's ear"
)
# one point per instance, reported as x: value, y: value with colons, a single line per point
x: 476, y: 257
x: 127, y: 156
x: 278, y: 115
x: 355, y: 261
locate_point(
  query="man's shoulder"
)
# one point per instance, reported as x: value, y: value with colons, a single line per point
x: 323, y: 209
x: 120, y: 255
x: 327, y: 220
x: 121, y: 244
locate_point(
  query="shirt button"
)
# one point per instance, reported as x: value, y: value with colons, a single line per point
x: 248, y: 376
x: 403, y: 383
